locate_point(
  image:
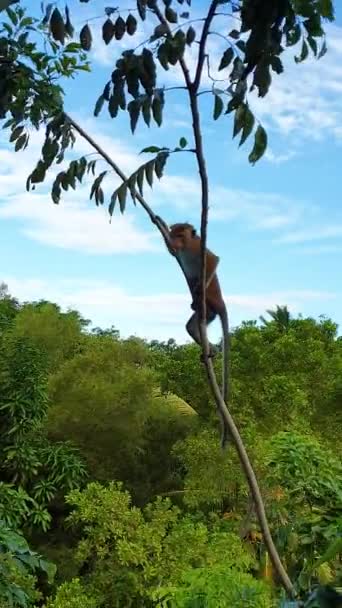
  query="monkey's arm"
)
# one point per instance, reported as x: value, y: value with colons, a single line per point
x: 212, y: 261
x: 164, y: 229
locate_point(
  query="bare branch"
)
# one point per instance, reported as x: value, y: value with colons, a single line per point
x: 252, y: 481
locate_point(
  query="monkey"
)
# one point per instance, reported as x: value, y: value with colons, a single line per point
x: 183, y: 242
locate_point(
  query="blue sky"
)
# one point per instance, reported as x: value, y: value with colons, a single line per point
x: 277, y: 227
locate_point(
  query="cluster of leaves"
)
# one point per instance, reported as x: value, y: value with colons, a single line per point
x: 73, y: 595
x: 28, y: 76
x: 59, y: 135
x: 133, y: 85
x: 133, y: 71
x: 18, y: 567
x: 309, y: 508
x: 218, y: 586
x: 139, y: 550
x: 270, y: 28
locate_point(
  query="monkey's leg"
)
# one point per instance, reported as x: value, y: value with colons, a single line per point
x: 193, y: 329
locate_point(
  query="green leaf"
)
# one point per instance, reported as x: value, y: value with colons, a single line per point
x: 277, y: 65
x: 112, y: 202
x: 313, y: 25
x: 218, y: 107
x: 134, y: 111
x: 146, y: 110
x: 334, y: 549
x: 56, y: 192
x: 260, y: 145
x: 16, y: 133
x: 159, y: 31
x: 313, y: 44
x: 113, y: 106
x: 190, y: 36
x: 12, y: 15
x: 64, y: 179
x: 249, y: 121
x: 106, y: 91
x: 183, y: 142
x: 160, y: 162
x: 38, y: 174
x: 19, y: 144
x: 235, y: 34
x: 96, y: 184
x: 49, y: 568
x: 157, y: 106
x: 323, y: 49
x: 326, y: 9
x: 171, y: 15
x: 149, y: 168
x: 140, y: 179
x: 141, y: 6
x: 162, y: 55
x: 150, y: 150
x: 122, y: 195
x: 226, y: 58
x: 262, y: 78
x: 239, y: 119
x: 304, y: 53
x: 131, y: 183
x: 99, y: 196
x: 72, y: 47
x: 293, y: 35
x: 99, y: 105
x: 69, y: 29
x: 81, y: 167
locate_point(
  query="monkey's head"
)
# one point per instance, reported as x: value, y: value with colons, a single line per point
x: 182, y: 235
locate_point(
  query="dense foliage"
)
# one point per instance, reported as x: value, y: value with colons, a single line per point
x: 124, y: 409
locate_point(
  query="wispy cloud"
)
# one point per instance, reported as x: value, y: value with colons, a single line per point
x: 312, y: 234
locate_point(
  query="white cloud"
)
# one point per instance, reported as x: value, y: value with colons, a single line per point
x: 320, y: 250
x: 278, y: 159
x: 160, y: 315
x: 76, y: 226
x: 312, y: 234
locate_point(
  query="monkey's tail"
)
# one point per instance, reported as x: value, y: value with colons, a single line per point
x: 225, y: 372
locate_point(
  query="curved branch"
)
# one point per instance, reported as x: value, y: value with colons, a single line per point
x: 153, y: 217
x: 251, y: 479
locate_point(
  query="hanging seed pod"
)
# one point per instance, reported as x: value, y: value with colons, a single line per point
x: 190, y: 36
x: 69, y: 30
x: 85, y: 38
x: 108, y: 31
x: 131, y: 25
x: 57, y: 26
x: 120, y: 28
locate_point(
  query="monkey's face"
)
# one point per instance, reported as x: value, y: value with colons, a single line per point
x: 181, y: 235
